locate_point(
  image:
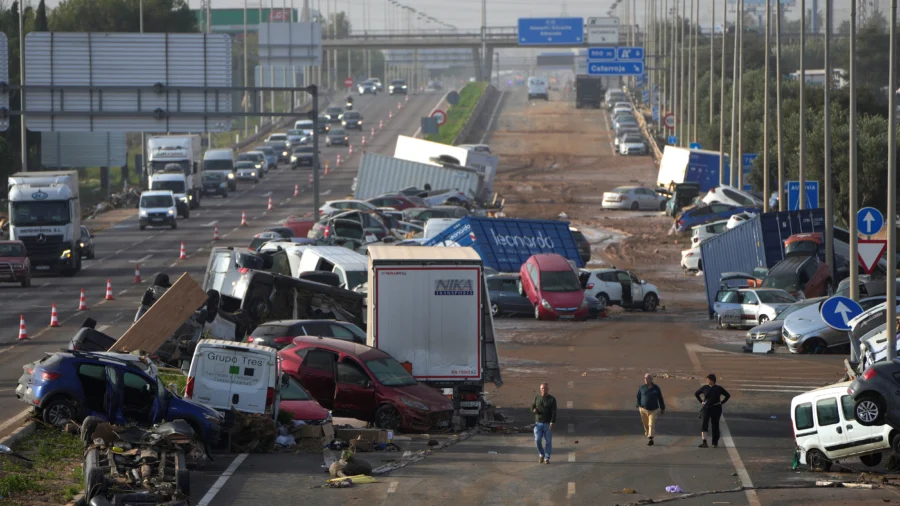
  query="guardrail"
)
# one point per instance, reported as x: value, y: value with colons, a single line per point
x: 642, y: 122
x: 489, y: 92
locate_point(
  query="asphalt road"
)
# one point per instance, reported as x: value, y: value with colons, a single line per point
x: 123, y: 246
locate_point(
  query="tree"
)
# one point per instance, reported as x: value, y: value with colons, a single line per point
x: 171, y: 16
x: 40, y: 22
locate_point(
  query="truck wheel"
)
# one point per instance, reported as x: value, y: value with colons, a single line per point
x: 142, y: 227
x: 174, y: 224
x: 187, y: 213
x: 871, y: 460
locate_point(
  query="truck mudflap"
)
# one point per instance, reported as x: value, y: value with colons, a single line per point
x: 489, y: 342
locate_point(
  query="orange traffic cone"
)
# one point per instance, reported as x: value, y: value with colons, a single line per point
x: 311, y: 176
x: 54, y: 318
x: 296, y: 190
x: 182, y: 255
x: 109, y: 295
x: 243, y: 219
x: 380, y: 124
x: 23, y: 334
x: 372, y: 133
x: 137, y: 274
x: 350, y: 149
x: 390, y: 114
x: 363, y: 140
x: 406, y: 98
x: 216, y: 233
x: 337, y: 163
x: 269, y: 207
x: 399, y: 105
x: 82, y: 302
x: 326, y: 167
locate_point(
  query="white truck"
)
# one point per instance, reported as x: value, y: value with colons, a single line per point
x: 429, y: 308
x: 174, y: 164
x: 45, y: 214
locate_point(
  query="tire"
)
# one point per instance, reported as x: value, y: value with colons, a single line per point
x: 187, y: 214
x: 817, y: 461
x: 94, y: 475
x: 182, y: 474
x: 871, y: 460
x: 88, y: 426
x: 91, y: 255
x: 814, y: 346
x: 495, y: 309
x: 868, y: 410
x: 722, y: 325
x: 388, y: 418
x: 143, y: 227
x: 762, y: 319
x: 651, y: 302
x: 225, y: 195
x: 602, y: 297
x: 635, y: 206
x: 58, y: 412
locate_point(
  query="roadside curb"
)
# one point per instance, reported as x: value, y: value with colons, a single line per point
x: 76, y: 500
x: 19, y: 434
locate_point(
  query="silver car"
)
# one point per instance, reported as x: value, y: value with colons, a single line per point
x: 749, y: 307
x: 771, y: 330
x: 806, y: 332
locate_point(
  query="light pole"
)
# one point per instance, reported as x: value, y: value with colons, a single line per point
x: 829, y: 197
x: 891, y: 292
x: 802, y: 147
x: 739, y: 156
x: 765, y: 143
x: 246, y: 101
x: 779, y: 117
x: 712, y: 72
x: 722, y: 97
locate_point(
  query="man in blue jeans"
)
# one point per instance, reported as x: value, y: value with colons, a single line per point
x: 544, y: 409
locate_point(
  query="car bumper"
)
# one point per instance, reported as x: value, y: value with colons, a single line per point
x: 421, y: 421
x: 214, y: 191
x: 562, y: 314
x: 402, y: 91
x: 626, y: 152
x: 625, y: 204
x: 165, y: 222
x: 341, y: 142
x: 12, y: 275
x: 302, y: 162
x: 247, y: 178
x: 26, y: 394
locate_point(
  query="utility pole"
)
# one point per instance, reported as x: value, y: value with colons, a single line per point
x: 681, y: 75
x: 739, y: 156
x: 829, y: 197
x: 722, y: 97
x: 765, y: 143
x: 712, y: 72
x: 891, y: 292
x: 802, y: 147
x: 691, y: 83
x: 696, y: 79
x: 852, y: 186
x: 664, y: 97
x: 246, y: 101
x: 734, y: 98
x: 779, y: 112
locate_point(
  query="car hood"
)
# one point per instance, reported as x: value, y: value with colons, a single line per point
x: 767, y: 327
x: 805, y: 320
x: 17, y: 260
x: 427, y: 395
x: 564, y: 299
x: 304, y: 410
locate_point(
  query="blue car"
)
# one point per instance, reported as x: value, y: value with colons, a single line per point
x: 705, y: 214
x: 72, y: 385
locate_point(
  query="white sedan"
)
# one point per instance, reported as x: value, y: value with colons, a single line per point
x: 632, y: 144
x: 335, y: 206
x: 732, y: 196
x: 692, y: 260
x: 634, y: 198
x: 749, y: 307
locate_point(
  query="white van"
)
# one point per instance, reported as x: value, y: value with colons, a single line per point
x: 221, y: 160
x: 304, y: 124
x: 351, y: 267
x: 826, y: 431
x: 537, y: 88
x: 225, y: 374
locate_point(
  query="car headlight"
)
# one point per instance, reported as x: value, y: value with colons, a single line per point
x: 171, y: 212
x: 546, y: 304
x: 184, y: 199
x: 231, y: 175
x: 253, y: 173
x: 414, y: 404
x: 404, y: 86
x: 258, y: 165
x: 66, y: 254
x: 346, y: 138
x: 293, y: 158
x: 284, y: 153
x: 81, y: 244
x: 344, y: 123
x: 142, y: 213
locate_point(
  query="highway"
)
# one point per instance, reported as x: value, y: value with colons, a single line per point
x: 123, y: 246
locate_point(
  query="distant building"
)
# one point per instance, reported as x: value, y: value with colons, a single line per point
x: 816, y: 77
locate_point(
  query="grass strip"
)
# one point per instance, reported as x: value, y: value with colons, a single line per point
x: 458, y: 115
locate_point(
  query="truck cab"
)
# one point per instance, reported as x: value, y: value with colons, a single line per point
x: 45, y: 214
x: 174, y: 164
x: 172, y: 179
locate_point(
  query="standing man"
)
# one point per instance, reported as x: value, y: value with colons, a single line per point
x: 714, y: 397
x: 544, y: 409
x: 651, y: 404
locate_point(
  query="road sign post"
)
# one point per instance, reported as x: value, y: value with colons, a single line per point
x: 603, y: 31
x: 634, y: 68
x: 812, y: 195
x: 348, y: 82
x: 837, y: 312
x: 554, y: 31
x: 669, y: 120
x: 869, y: 252
x: 869, y: 221
x: 439, y: 116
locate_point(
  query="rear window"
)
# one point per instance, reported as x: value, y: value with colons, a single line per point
x: 803, y: 417
x: 294, y: 392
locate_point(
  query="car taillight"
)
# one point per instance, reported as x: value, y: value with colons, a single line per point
x: 470, y: 396
x: 270, y: 396
x: 50, y: 376
x: 688, y: 255
x: 327, y: 232
x: 869, y: 374
x: 250, y: 339
x: 590, y: 286
x: 189, y: 388
x: 712, y: 190
x: 29, y: 370
x: 284, y: 340
x: 680, y: 223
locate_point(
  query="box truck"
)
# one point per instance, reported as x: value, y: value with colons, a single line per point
x: 682, y: 165
x: 429, y: 309
x: 174, y: 164
x: 45, y: 214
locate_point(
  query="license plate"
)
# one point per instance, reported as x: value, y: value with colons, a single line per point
x: 443, y: 423
x: 156, y: 219
x: 42, y: 268
x: 566, y: 317
x: 470, y: 404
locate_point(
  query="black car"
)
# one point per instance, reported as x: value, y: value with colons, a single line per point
x: 397, y: 86
x: 215, y: 183
x: 352, y: 119
x: 279, y: 143
x: 503, y: 290
x: 584, y: 247
x: 875, y: 395
x: 302, y: 155
x: 333, y: 114
x: 86, y: 243
x: 337, y: 137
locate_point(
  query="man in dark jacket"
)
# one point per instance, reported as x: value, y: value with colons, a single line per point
x: 544, y: 409
x: 651, y: 404
x: 714, y: 397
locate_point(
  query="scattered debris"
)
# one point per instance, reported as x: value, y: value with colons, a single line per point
x: 674, y: 489
x: 252, y: 432
x: 349, y: 465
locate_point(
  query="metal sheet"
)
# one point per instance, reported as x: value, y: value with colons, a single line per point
x: 126, y: 59
x: 4, y: 77
x: 379, y: 174
x: 290, y: 43
x: 284, y: 76
x: 83, y: 149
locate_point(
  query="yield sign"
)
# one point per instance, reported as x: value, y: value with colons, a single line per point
x: 870, y: 252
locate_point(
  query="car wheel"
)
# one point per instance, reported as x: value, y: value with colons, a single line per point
x: 91, y: 255
x: 26, y: 283
x: 817, y: 461
x: 143, y: 227
x: 537, y: 312
x: 388, y: 418
x: 495, y: 310
x: 868, y: 410
x: 174, y: 224
x: 814, y: 346
x: 58, y: 412
x: 634, y: 206
x: 871, y: 460
x: 722, y: 324
x: 651, y: 302
x: 763, y: 319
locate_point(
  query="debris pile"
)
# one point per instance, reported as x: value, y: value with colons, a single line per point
x: 252, y: 432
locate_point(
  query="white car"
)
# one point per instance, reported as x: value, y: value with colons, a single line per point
x: 334, y: 206
x: 749, y: 307
x: 634, y: 198
x: 632, y: 144
x: 247, y: 171
x: 739, y: 219
x: 703, y: 232
x: 692, y: 259
x: 619, y: 287
x: 732, y: 196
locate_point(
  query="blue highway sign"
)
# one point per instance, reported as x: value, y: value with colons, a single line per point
x: 646, y: 96
x: 655, y: 112
x: 615, y: 68
x: 695, y: 145
x: 630, y: 53
x: 812, y: 195
x: 837, y: 312
x: 553, y: 31
x: 748, y: 161
x: 869, y: 221
x: 673, y: 140
x: 602, y: 53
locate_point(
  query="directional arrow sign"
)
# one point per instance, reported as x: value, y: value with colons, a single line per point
x: 869, y: 221
x: 837, y: 312
x: 870, y: 252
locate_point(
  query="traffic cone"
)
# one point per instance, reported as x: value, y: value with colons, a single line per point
x: 23, y: 334
x: 243, y: 219
x: 350, y: 149
x: 372, y: 133
x: 182, y: 255
x: 269, y: 207
x: 390, y: 114
x: 137, y: 274
x: 311, y: 176
x: 380, y: 124
x: 54, y: 318
x: 82, y: 302
x: 406, y: 97
x: 296, y: 190
x: 109, y: 295
x: 337, y: 163
x: 399, y: 105
x: 326, y: 171
x: 363, y: 140
x: 216, y: 233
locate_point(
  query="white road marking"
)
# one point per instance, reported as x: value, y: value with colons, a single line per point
x: 571, y: 428
x: 327, y: 192
x: 217, y: 486
x: 570, y: 404
x: 102, y: 328
x: 141, y: 260
x: 15, y: 420
x: 571, y: 492
x: 212, y: 223
x: 727, y: 440
x: 572, y: 457
x: 393, y: 487
x: 123, y: 292
x: 173, y: 264
x: 45, y: 285
x: 267, y: 194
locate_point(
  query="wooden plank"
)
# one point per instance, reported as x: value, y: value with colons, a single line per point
x: 163, y: 318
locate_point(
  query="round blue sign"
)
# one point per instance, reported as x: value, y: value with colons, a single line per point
x: 869, y: 221
x: 837, y: 312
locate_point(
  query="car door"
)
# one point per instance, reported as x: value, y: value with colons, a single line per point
x: 637, y: 289
x: 609, y: 284
x: 512, y: 301
x: 749, y: 306
x: 354, y: 393
x: 317, y: 375
x: 625, y: 281
x: 832, y: 436
x: 140, y: 402
x: 728, y: 307
x: 860, y: 437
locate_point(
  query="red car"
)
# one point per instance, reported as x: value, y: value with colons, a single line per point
x: 553, y: 288
x: 398, y: 202
x: 297, y: 401
x: 360, y: 382
x: 15, y: 267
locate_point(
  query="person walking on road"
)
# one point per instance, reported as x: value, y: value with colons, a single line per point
x: 544, y: 409
x: 651, y: 404
x: 714, y: 397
